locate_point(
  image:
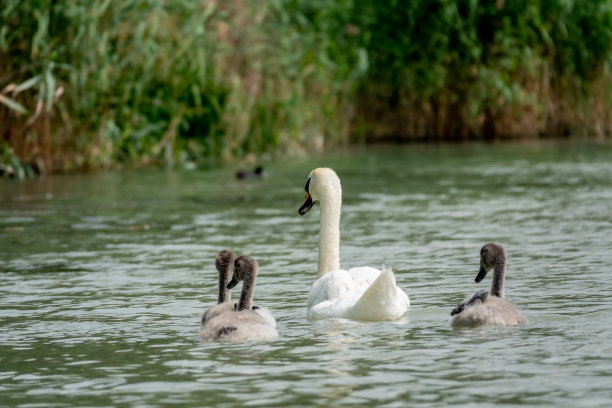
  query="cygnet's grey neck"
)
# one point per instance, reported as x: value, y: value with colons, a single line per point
x: 499, y: 273
x: 329, y: 232
x: 224, y: 262
x: 225, y: 294
x: 248, y: 285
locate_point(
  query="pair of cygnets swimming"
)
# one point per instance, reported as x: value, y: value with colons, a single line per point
x: 369, y: 294
x: 240, y: 321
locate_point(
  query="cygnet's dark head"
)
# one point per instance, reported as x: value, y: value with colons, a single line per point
x: 225, y: 260
x: 490, y: 255
x: 245, y: 268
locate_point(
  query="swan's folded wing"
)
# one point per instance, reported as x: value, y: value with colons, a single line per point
x: 331, y: 295
x: 383, y: 300
x: 333, y: 285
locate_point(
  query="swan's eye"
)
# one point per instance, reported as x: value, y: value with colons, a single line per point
x: 307, y: 184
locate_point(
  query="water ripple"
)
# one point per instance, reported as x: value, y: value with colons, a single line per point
x: 104, y: 279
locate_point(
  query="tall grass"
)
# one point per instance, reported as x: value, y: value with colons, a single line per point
x: 93, y: 83
x: 459, y: 69
x: 90, y: 84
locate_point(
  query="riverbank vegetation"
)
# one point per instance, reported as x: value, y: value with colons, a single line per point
x: 85, y: 85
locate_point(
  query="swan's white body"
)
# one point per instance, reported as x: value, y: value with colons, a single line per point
x: 362, y: 293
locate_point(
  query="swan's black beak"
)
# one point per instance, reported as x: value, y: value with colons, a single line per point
x: 308, y: 203
x: 481, y: 274
x: 232, y: 283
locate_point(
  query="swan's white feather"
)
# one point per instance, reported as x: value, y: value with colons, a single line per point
x: 357, y: 294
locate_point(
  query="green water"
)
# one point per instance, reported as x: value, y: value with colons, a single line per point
x: 103, y: 279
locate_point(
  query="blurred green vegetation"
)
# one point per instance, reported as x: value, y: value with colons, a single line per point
x: 468, y: 69
x: 100, y: 83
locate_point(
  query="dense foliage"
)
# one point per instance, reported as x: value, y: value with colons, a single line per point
x: 95, y: 83
x: 456, y: 69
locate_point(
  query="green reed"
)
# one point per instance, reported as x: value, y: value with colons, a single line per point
x: 162, y: 82
x: 458, y: 69
x: 90, y: 84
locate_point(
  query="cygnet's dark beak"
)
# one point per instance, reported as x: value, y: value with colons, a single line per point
x: 481, y: 274
x: 458, y: 309
x: 307, y: 205
x: 232, y: 283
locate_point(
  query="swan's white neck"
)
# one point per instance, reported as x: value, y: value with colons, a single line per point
x: 329, y: 232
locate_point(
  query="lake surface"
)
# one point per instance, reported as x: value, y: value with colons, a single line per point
x: 104, y: 277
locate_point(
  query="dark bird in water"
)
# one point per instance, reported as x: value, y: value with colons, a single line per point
x: 248, y: 174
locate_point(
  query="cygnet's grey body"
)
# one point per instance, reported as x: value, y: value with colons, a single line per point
x: 242, y: 323
x: 488, y: 307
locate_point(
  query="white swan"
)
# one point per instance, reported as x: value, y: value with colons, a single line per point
x: 485, y: 307
x: 242, y: 323
x: 362, y: 293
